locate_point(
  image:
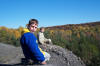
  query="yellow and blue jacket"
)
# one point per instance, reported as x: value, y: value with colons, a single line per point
x: 25, y: 31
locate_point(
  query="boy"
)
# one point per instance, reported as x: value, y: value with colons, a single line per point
x: 41, y: 39
x: 29, y: 46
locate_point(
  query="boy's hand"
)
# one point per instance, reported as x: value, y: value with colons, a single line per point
x: 43, y: 63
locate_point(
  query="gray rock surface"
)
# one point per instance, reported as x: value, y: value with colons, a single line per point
x: 10, y: 55
x: 70, y: 58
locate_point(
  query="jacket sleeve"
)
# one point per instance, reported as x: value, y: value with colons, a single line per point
x: 33, y: 47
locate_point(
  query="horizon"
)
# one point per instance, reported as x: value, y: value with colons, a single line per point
x: 55, y: 25
x: 16, y: 13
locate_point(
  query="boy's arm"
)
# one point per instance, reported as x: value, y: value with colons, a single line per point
x: 33, y: 46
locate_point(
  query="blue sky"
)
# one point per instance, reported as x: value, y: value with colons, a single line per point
x: 15, y: 13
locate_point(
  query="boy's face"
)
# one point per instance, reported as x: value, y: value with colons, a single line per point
x: 33, y: 27
x: 42, y: 30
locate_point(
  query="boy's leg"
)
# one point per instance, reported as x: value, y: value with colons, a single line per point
x: 48, y: 41
x: 47, y: 56
x: 42, y: 42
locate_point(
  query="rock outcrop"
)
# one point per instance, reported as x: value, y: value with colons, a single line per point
x: 10, y: 55
x: 67, y: 56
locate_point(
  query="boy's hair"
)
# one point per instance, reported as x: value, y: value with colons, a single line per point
x: 41, y: 28
x: 32, y: 21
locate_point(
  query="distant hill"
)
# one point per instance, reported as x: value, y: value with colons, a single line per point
x: 67, y: 26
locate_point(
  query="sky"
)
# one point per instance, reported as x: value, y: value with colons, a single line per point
x: 16, y: 13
